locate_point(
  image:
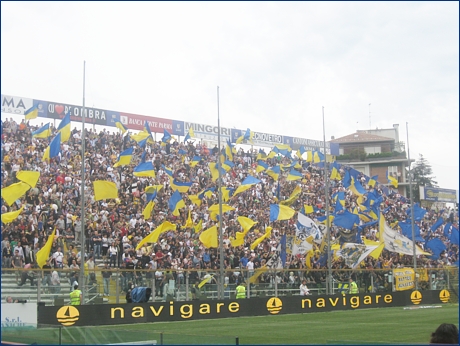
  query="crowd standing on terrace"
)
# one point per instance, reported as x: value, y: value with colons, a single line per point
x: 113, y: 228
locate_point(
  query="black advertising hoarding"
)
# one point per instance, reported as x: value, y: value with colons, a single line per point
x: 112, y: 314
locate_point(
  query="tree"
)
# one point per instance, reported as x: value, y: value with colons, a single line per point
x: 422, y: 176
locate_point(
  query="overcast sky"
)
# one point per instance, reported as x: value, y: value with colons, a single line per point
x: 276, y: 63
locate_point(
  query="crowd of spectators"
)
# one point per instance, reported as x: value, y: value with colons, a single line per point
x: 113, y: 228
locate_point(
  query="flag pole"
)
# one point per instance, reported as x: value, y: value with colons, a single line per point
x: 411, y: 209
x: 220, y: 289
x: 329, y: 288
x: 82, y: 193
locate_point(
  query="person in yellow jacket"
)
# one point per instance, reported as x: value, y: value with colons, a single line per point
x: 76, y: 295
x: 353, y: 287
x: 240, y: 291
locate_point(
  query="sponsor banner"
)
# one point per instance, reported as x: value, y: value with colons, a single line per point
x: 18, y: 105
x: 15, y: 104
x: 178, y: 128
x: 266, y: 139
x: 42, y: 107
x: 309, y: 144
x: 113, y: 117
x: 235, y: 134
x: 208, y: 132
x: 404, y: 279
x: 111, y: 314
x: 19, y: 315
x: 136, y: 122
x: 92, y: 115
x: 288, y: 140
x: 435, y: 194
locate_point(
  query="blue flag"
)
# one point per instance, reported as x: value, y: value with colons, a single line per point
x: 346, y: 220
x: 438, y: 223
x: 283, y: 249
x: 436, y: 246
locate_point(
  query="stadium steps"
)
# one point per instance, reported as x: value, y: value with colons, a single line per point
x: 29, y: 293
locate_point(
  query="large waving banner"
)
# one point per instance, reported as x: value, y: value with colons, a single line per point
x: 307, y: 232
x: 354, y: 254
x: 396, y: 242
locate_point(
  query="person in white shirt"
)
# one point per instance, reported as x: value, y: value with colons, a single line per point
x: 250, y: 267
x: 304, y: 291
x: 58, y: 256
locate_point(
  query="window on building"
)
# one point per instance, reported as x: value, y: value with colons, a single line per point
x: 373, y: 150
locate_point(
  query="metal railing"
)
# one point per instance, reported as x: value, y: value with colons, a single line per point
x: 178, y: 285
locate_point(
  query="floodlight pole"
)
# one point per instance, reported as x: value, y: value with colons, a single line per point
x: 220, y: 288
x: 414, y: 250
x: 329, y: 283
x: 82, y: 193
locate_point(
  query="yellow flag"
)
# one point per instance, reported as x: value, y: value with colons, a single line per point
x: 257, y: 273
x: 46, y: 154
x: 209, y: 237
x: 238, y: 240
x: 189, y: 222
x: 153, y: 188
x: 44, y: 253
x: 308, y: 258
x: 267, y: 234
x: 225, y: 193
x: 378, y: 251
x: 202, y: 283
x: 225, y: 207
x: 28, y: 177
x: 11, y: 193
x: 104, y: 190
x: 153, y: 236
x: 148, y: 210
x: 308, y: 209
x: 214, y: 171
x: 11, y: 216
x: 140, y: 136
x: 195, y: 199
x: 197, y: 229
x: 246, y: 223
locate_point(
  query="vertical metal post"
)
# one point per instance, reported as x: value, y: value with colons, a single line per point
x: 248, y: 288
x: 329, y: 289
x: 39, y: 293
x: 237, y: 341
x: 186, y: 286
x: 83, y: 240
x: 221, y: 236
x: 60, y: 335
x: 276, y: 285
x: 118, y: 285
x: 414, y: 251
x: 372, y: 283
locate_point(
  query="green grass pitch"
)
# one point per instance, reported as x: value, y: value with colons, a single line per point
x: 364, y: 326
